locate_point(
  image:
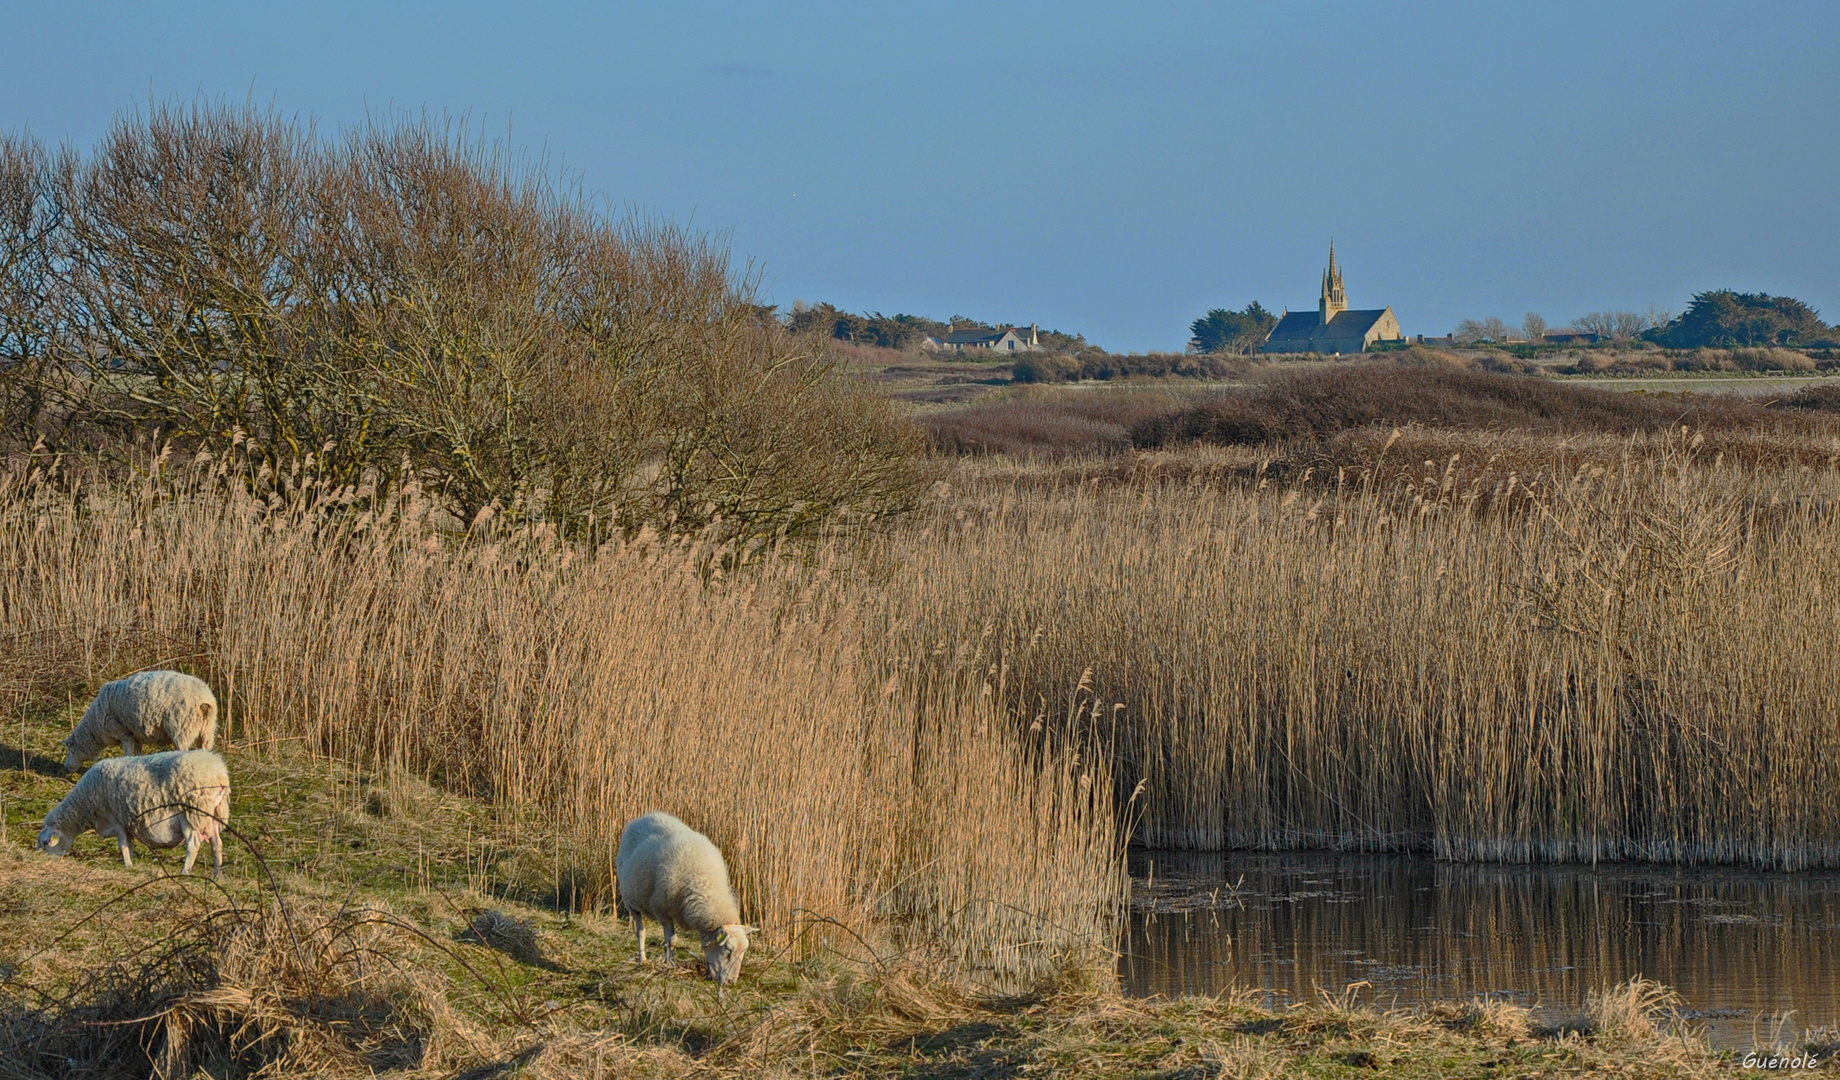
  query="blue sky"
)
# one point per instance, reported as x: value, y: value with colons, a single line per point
x: 1111, y: 169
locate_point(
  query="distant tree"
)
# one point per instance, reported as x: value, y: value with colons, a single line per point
x: 1225, y: 331
x: 1627, y: 324
x: 825, y: 319
x: 1613, y: 325
x: 1491, y: 329
x: 899, y: 331
x: 1534, y: 326
x: 1597, y: 322
x: 1072, y: 344
x: 1723, y: 318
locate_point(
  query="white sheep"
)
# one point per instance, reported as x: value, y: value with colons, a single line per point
x: 676, y: 875
x: 162, y: 800
x: 146, y: 708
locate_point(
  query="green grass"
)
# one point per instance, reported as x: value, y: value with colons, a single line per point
x: 402, y: 869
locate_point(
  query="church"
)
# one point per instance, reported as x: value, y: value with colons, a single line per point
x: 1332, y: 328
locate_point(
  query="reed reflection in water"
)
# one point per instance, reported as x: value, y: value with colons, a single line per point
x: 1740, y: 946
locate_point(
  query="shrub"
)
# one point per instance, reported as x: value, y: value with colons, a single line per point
x: 406, y: 304
x: 1045, y: 367
x: 1060, y: 367
x: 1771, y: 360
x: 1048, y: 423
x: 1818, y: 398
x: 1632, y: 362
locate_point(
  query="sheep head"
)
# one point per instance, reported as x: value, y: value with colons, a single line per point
x: 74, y: 754
x: 55, y: 841
x: 722, y: 951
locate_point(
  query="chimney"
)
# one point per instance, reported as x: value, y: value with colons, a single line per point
x: 1034, y: 338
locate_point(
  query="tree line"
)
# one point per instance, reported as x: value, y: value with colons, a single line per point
x: 1718, y: 318
x: 907, y: 332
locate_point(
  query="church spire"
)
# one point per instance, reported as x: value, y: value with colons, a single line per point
x: 1334, y: 299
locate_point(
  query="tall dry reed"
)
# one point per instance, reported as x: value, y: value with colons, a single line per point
x: 1631, y: 661
x: 944, y: 732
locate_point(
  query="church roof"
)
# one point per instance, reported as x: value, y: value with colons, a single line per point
x: 1302, y: 327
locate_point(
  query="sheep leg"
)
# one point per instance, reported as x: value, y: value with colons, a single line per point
x: 192, y: 839
x: 129, y: 746
x: 639, y: 932
x: 670, y: 942
x: 127, y: 851
x: 217, y: 856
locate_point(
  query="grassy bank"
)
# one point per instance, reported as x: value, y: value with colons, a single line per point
x: 392, y: 927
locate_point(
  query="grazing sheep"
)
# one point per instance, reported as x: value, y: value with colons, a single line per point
x: 162, y: 800
x: 144, y: 709
x: 676, y: 875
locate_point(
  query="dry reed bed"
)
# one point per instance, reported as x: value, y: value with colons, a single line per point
x: 943, y: 732
x: 592, y: 686
x: 1629, y: 661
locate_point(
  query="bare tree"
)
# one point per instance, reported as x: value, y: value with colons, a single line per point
x: 31, y: 383
x: 1491, y: 329
x: 1534, y: 326
x: 1601, y: 323
x: 1628, y: 324
x: 1613, y: 325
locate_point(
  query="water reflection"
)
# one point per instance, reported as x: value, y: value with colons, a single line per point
x: 1740, y: 946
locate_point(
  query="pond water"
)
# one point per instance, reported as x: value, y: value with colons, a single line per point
x: 1743, y: 948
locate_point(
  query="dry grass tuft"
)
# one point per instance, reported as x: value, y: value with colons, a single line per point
x: 1640, y: 1009
x: 1498, y: 1018
x: 508, y: 934
x: 246, y: 989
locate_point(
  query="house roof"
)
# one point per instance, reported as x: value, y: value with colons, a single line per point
x: 973, y: 337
